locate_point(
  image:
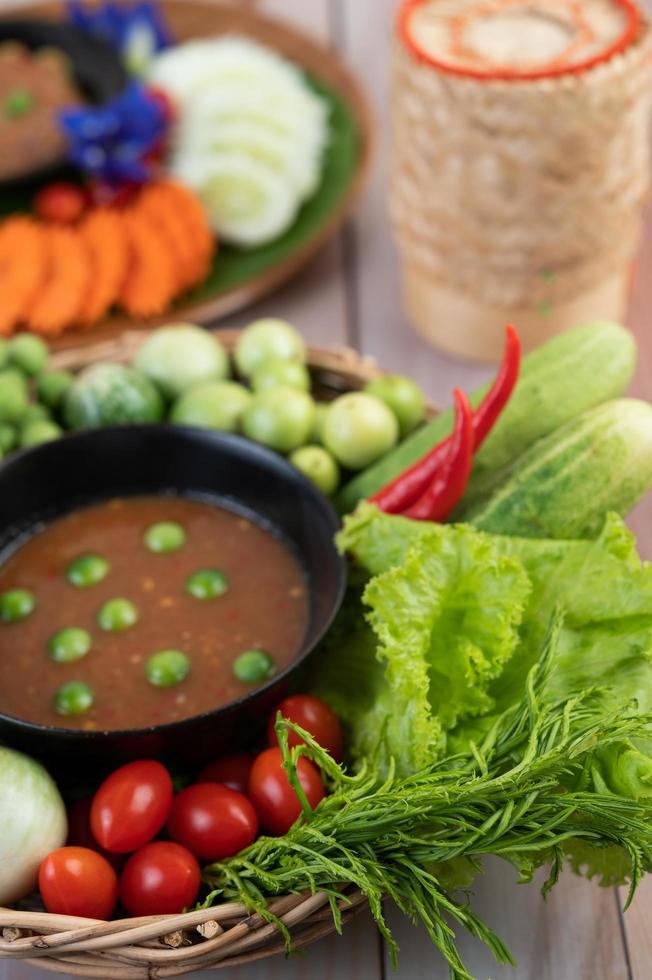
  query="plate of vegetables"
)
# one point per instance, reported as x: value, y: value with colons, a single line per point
x: 485, y: 689
x: 233, y: 149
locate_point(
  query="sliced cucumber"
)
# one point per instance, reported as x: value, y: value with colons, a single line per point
x: 181, y: 69
x: 296, y: 115
x: 240, y: 57
x: 277, y: 151
x: 248, y: 202
x: 190, y: 68
x: 250, y: 134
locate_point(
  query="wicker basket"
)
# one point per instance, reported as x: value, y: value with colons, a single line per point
x: 518, y: 199
x: 222, y: 936
x: 336, y: 369
x: 166, y: 946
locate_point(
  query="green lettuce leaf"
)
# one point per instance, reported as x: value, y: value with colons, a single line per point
x: 606, y: 593
x: 442, y: 623
x: 608, y: 865
x: 451, y: 624
x: 378, y: 541
x: 449, y: 615
x: 430, y: 582
x: 624, y: 769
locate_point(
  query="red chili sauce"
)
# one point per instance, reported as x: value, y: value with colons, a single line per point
x: 263, y: 607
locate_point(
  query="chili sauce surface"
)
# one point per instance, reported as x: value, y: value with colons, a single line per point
x: 265, y: 607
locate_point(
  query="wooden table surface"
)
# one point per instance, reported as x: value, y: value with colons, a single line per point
x: 350, y: 295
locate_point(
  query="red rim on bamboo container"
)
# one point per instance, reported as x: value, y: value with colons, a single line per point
x: 558, y: 66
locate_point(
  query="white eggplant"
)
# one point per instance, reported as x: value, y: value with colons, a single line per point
x: 32, y: 823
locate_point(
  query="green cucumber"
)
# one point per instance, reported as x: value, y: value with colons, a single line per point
x: 565, y: 485
x: 570, y: 374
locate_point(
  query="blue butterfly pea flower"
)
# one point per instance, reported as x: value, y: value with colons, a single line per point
x: 137, y: 30
x: 113, y: 143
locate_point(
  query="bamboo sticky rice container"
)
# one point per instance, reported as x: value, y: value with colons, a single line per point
x: 520, y: 164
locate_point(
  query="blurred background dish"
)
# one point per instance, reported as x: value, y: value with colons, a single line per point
x: 262, y: 190
x: 45, y: 66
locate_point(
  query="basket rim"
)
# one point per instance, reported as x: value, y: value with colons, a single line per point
x: 167, y: 945
x: 353, y: 368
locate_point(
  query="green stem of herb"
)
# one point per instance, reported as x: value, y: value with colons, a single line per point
x: 393, y: 836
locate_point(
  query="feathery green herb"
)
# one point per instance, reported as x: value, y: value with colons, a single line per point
x: 508, y: 796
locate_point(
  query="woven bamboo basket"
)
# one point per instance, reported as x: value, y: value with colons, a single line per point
x: 224, y: 935
x: 516, y: 197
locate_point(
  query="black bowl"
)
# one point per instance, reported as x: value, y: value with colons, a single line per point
x: 42, y: 483
x: 96, y: 64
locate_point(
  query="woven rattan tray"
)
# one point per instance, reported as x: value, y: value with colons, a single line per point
x: 222, y: 936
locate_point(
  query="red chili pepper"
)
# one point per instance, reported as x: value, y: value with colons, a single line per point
x: 450, y: 483
x: 491, y: 406
x: 405, y: 489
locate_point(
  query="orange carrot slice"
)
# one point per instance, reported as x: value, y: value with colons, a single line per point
x: 59, y: 301
x: 161, y: 209
x: 194, y: 215
x: 23, y: 264
x: 151, y: 282
x: 105, y: 239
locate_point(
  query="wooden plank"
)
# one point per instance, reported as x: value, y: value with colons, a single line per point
x: 636, y: 925
x: 639, y: 320
x: 316, y: 301
x: 574, y: 935
x: 636, y: 921
x: 322, y: 321
x: 381, y: 326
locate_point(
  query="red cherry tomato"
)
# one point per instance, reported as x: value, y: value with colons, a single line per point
x: 313, y: 715
x: 78, y: 881
x: 81, y: 835
x: 160, y: 879
x: 62, y: 202
x: 131, y: 806
x: 212, y: 821
x: 272, y: 795
x: 231, y: 770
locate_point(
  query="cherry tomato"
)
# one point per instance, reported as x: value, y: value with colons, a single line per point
x: 313, y: 715
x: 160, y: 879
x: 231, y: 770
x: 212, y: 821
x: 61, y: 202
x: 272, y: 795
x: 131, y: 806
x: 81, y: 835
x: 78, y: 881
